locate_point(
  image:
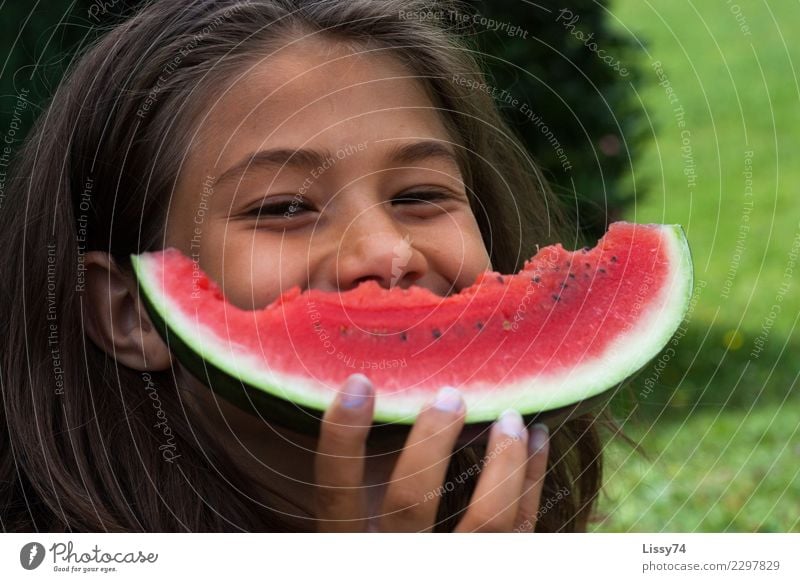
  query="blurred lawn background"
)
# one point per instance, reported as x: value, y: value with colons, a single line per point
x: 720, y: 426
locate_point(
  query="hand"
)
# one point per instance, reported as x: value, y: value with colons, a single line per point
x: 506, y: 497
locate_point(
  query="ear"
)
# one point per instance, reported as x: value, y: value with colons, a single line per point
x: 115, y: 318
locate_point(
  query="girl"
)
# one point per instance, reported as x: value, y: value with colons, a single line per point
x: 280, y: 142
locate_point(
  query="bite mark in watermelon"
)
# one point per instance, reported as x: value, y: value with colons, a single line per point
x: 568, y: 327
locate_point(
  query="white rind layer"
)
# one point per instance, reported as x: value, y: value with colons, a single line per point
x: 653, y: 328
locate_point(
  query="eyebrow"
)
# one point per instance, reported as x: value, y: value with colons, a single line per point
x: 419, y: 151
x: 405, y: 154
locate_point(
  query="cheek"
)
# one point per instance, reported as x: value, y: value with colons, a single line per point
x: 251, y: 282
x: 476, y: 257
x: 252, y: 272
x: 457, y: 250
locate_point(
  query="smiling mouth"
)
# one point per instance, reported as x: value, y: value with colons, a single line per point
x: 452, y: 288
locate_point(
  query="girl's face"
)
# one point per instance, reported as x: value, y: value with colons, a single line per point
x: 322, y: 167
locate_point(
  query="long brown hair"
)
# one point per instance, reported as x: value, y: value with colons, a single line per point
x: 96, y: 173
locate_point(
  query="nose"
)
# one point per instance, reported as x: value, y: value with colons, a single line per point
x: 375, y: 247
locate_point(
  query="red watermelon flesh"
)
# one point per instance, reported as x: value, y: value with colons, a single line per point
x: 567, y: 327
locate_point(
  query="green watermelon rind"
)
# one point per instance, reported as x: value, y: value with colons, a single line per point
x: 237, y: 376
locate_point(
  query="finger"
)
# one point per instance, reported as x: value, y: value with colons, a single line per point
x: 339, y: 462
x: 495, y: 502
x: 538, y: 449
x: 415, y: 486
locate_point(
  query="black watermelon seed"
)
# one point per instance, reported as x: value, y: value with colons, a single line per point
x: 587, y: 265
x: 500, y: 279
x: 479, y: 325
x: 564, y: 285
x: 601, y: 270
x: 436, y: 334
x: 572, y: 275
x: 613, y: 259
x: 556, y: 297
x: 585, y: 250
x: 403, y: 336
x: 537, y: 279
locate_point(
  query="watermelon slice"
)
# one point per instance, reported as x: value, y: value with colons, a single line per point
x: 565, y: 330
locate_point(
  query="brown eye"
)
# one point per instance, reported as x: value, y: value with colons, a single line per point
x: 421, y: 196
x: 283, y: 208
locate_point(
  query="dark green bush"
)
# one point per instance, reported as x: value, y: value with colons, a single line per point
x: 565, y: 86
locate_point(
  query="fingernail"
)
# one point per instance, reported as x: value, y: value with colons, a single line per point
x: 539, y: 435
x: 448, y: 399
x: 355, y: 391
x: 511, y: 424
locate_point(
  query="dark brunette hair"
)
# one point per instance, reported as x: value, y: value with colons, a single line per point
x: 97, y: 172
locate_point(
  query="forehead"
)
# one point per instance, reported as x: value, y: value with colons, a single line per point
x: 321, y: 94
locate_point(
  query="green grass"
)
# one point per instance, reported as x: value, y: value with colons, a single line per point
x: 716, y: 471
x: 721, y: 424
